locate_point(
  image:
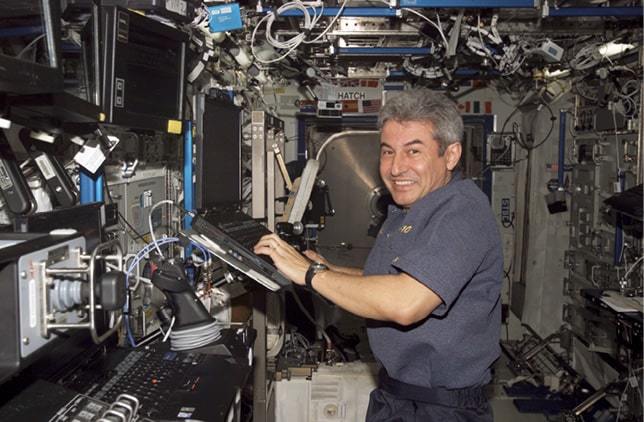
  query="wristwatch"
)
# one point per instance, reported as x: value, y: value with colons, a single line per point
x: 314, y: 268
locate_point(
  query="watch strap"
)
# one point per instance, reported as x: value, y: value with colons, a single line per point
x: 314, y: 268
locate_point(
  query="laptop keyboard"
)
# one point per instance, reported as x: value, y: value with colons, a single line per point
x: 149, y: 374
x: 228, y: 247
x: 246, y: 232
x: 167, y: 384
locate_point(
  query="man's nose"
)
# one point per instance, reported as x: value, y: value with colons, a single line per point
x: 398, y: 165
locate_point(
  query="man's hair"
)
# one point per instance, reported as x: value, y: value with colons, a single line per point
x: 426, y: 106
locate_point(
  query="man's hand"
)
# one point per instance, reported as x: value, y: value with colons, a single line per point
x: 316, y: 257
x: 287, y: 260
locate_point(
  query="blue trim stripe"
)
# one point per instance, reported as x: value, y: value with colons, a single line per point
x: 596, y: 11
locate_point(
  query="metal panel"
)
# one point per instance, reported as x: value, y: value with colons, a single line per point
x: 350, y: 168
x: 503, y: 201
x: 260, y: 389
x: 347, y: 12
x: 258, y: 164
x: 460, y: 4
x: 31, y: 290
x: 270, y: 180
x: 135, y: 198
x: 267, y: 183
x: 384, y: 51
x: 419, y: 4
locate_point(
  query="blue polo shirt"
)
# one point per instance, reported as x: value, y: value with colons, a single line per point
x: 449, y: 241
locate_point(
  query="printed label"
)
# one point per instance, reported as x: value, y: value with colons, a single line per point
x: 5, y: 180
x: 177, y: 6
x: 45, y: 167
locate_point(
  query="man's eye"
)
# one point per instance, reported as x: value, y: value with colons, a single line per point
x: 386, y: 152
x: 414, y: 152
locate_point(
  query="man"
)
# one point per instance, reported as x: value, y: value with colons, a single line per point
x: 431, y: 284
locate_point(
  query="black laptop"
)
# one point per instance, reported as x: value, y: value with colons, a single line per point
x: 235, y: 254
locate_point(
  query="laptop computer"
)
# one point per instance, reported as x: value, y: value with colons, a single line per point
x: 232, y: 252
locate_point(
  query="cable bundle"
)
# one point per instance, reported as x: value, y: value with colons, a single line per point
x: 138, y: 258
x: 311, y: 19
x: 192, y: 338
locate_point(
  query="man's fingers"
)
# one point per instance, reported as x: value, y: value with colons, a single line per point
x: 264, y: 250
x: 311, y: 254
x: 268, y: 242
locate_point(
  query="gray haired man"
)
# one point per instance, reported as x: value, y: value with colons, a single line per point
x: 430, y: 289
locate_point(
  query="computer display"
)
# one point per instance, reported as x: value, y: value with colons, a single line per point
x: 142, y: 72
x: 218, y: 153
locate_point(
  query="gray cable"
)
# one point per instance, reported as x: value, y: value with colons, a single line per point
x: 193, y: 338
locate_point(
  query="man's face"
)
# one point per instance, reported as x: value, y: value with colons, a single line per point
x: 410, y: 164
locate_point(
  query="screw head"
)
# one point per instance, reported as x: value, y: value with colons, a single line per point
x: 25, y: 340
x: 23, y: 274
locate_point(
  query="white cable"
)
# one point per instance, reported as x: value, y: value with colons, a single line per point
x: 630, y: 270
x: 274, y: 349
x: 485, y: 49
x: 292, y: 43
x: 584, y: 59
x: 335, y: 18
x: 31, y: 44
x: 137, y: 258
x: 143, y: 280
x: 618, y: 167
x: 621, y: 402
x: 440, y: 30
x: 310, y: 318
x: 252, y: 44
x: 167, y: 334
x: 154, y: 239
x: 516, y: 67
x: 111, y: 266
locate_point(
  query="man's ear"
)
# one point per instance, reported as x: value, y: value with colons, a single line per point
x: 453, y: 155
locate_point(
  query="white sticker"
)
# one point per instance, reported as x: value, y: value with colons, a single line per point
x: 177, y: 6
x: 33, y: 317
x: 91, y: 156
x: 5, y: 180
x: 194, y: 74
x: 45, y: 166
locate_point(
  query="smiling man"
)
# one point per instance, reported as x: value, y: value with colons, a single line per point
x: 431, y: 285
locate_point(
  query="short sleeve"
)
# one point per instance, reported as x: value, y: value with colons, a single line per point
x: 447, y: 253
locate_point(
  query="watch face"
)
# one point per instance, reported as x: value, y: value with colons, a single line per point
x: 319, y: 267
